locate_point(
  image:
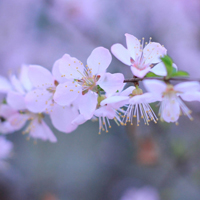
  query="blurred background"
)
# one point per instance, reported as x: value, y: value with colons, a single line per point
x: 156, y: 162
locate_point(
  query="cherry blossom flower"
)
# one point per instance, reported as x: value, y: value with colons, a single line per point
x: 41, y: 99
x: 83, y: 83
x: 171, y: 104
x: 141, y: 57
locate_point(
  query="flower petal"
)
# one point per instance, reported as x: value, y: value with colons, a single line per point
x: 40, y: 77
x: 190, y: 86
x: 16, y: 100
x: 140, y: 73
x: 18, y: 120
x: 56, y: 72
x: 110, y: 83
x: 127, y: 91
x: 154, y: 86
x: 6, y: 111
x: 62, y: 118
x: 115, y: 101
x: 99, y: 60
x: 143, y: 98
x: 37, y: 100
x: 170, y: 110
x: 40, y: 130
x: 105, y: 111
x: 24, y: 79
x: 79, y: 120
x: 5, y: 86
x: 190, y: 96
x: 17, y: 84
x: 152, y: 52
x: 70, y: 67
x: 88, y: 103
x: 121, y: 53
x: 67, y: 92
x: 159, y: 69
x: 133, y: 46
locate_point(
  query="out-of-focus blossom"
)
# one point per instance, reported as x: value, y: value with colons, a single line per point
x: 171, y: 104
x: 145, y: 193
x: 141, y: 58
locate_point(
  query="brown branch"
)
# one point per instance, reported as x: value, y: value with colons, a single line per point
x: 133, y: 80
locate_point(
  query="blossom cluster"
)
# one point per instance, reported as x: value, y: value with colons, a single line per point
x: 73, y: 93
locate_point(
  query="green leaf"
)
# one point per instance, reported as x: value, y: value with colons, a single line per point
x: 151, y: 74
x: 168, y: 64
x: 180, y: 73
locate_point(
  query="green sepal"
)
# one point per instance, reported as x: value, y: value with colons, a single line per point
x: 168, y: 64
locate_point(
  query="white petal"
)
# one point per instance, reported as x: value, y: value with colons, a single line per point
x: 88, y: 103
x: 143, y: 98
x: 67, y: 92
x: 16, y: 100
x: 24, y: 78
x: 6, y: 111
x: 5, y: 86
x: 56, y: 72
x: 170, y: 111
x: 105, y: 111
x: 17, y: 84
x: 110, y: 83
x: 62, y: 118
x: 40, y: 77
x: 115, y: 101
x: 99, y: 60
x: 79, y: 120
x: 190, y: 86
x: 18, y: 120
x: 152, y: 52
x: 140, y: 73
x: 127, y: 91
x: 133, y: 46
x: 37, y: 100
x: 155, y: 86
x: 121, y: 53
x: 159, y: 69
x: 70, y: 67
x: 40, y: 130
x: 191, y: 96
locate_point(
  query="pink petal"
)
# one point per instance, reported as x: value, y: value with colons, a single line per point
x: 140, y: 73
x: 170, y: 111
x: 67, y: 92
x: 17, y: 84
x: 56, y: 72
x: 70, y: 67
x: 127, y: 91
x: 18, y: 120
x: 5, y: 86
x: 40, y: 77
x: 110, y: 83
x: 79, y: 120
x: 105, y: 111
x: 159, y: 69
x: 191, y: 96
x: 37, y: 100
x: 88, y: 103
x: 154, y: 86
x: 152, y: 53
x: 40, y: 130
x: 187, y: 86
x: 16, y: 100
x: 115, y: 101
x: 6, y: 111
x: 143, y: 98
x: 121, y: 53
x: 24, y: 79
x: 99, y: 60
x: 133, y: 45
x: 62, y: 118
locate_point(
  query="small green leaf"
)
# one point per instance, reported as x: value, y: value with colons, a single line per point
x: 180, y: 73
x: 151, y: 74
x: 168, y: 64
